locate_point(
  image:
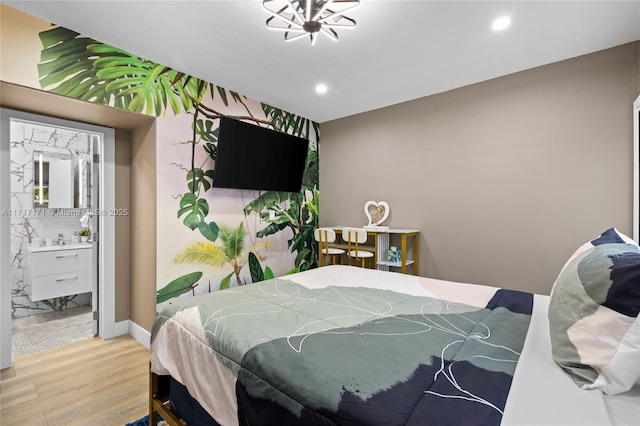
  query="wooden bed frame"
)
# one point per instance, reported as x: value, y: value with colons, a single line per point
x: 159, y: 401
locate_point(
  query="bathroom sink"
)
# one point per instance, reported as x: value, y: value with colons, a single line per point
x: 71, y: 246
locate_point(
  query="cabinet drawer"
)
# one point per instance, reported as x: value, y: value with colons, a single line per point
x: 62, y: 284
x: 60, y: 261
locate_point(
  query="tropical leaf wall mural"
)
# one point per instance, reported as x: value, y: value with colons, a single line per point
x: 204, y: 234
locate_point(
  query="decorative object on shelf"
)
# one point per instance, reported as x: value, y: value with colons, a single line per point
x: 376, y: 212
x: 298, y: 18
x: 395, y: 255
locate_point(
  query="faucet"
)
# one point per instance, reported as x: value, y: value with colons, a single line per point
x: 60, y: 239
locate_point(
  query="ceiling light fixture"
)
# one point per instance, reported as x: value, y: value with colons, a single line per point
x: 298, y: 18
x: 501, y: 23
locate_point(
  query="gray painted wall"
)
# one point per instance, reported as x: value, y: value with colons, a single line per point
x: 505, y: 178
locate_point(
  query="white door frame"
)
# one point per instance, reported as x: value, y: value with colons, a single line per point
x: 106, y: 273
x: 636, y: 173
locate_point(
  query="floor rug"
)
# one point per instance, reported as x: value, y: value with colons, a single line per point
x: 145, y: 422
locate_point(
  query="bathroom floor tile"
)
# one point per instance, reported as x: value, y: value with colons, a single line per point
x: 50, y: 330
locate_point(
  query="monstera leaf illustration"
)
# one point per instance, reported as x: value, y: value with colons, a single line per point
x: 83, y: 68
x: 67, y: 63
x: 197, y: 178
x: 196, y: 210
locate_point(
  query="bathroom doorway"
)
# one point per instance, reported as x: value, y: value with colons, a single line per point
x: 636, y: 170
x: 52, y: 192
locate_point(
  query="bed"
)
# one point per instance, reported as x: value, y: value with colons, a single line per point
x: 342, y: 345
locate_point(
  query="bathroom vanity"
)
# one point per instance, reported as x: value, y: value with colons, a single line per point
x: 58, y: 271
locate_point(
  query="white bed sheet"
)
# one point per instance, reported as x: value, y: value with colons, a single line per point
x: 624, y: 409
x: 541, y: 393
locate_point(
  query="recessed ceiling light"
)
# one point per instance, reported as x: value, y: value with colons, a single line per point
x: 501, y: 23
x: 321, y: 88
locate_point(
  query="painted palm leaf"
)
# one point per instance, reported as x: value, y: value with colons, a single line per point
x: 311, y: 173
x: 201, y: 253
x: 290, y: 123
x: 232, y: 240
x: 253, y: 251
x: 207, y: 253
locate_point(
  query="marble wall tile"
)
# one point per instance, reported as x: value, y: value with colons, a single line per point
x: 21, y: 201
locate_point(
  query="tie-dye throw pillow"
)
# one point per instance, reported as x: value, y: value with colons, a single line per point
x: 593, y: 314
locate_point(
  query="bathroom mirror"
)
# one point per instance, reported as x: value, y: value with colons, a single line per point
x: 61, y: 180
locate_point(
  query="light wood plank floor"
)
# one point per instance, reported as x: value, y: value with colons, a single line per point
x: 93, y: 382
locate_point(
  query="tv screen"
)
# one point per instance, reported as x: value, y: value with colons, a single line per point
x: 253, y: 157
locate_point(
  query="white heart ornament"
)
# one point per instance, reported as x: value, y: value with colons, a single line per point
x: 380, y: 212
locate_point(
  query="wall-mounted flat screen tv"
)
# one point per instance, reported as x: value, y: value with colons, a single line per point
x: 253, y: 157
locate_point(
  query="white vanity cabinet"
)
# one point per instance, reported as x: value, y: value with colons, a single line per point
x: 58, y: 271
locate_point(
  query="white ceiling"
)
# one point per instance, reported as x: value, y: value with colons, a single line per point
x: 400, y: 50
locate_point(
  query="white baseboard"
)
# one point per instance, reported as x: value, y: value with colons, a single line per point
x: 129, y: 327
x: 121, y: 328
x: 140, y: 334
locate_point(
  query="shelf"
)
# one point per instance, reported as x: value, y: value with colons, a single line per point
x: 396, y: 264
x: 409, y: 239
